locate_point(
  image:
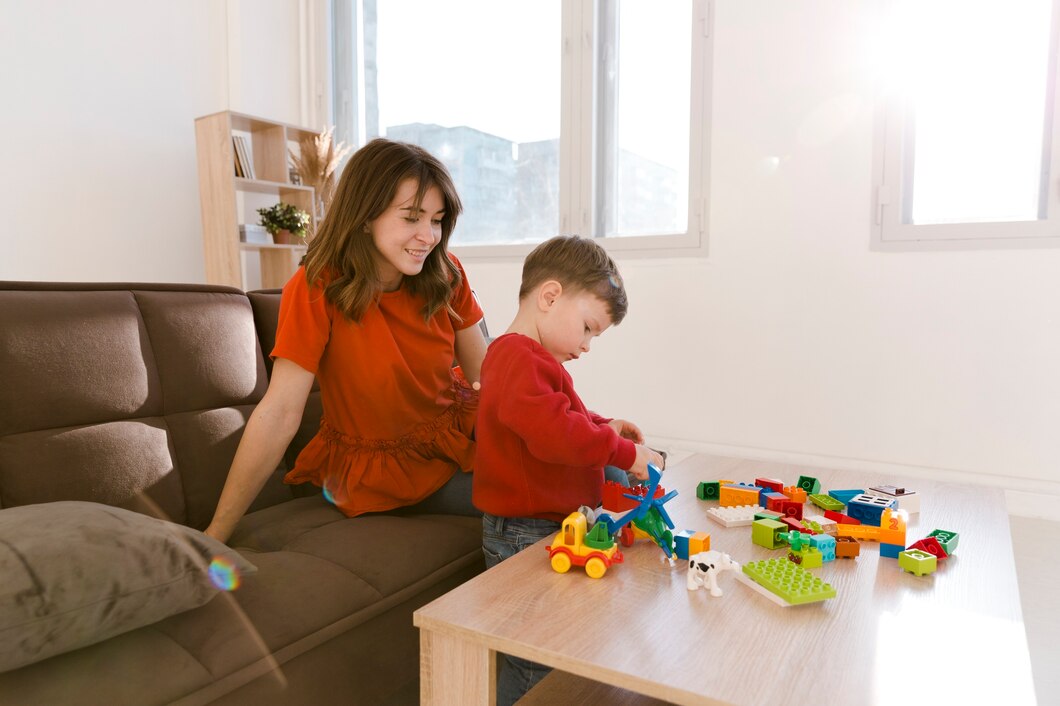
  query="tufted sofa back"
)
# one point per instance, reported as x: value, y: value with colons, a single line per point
x: 134, y: 395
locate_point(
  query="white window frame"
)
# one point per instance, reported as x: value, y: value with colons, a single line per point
x: 892, y: 170
x: 578, y: 113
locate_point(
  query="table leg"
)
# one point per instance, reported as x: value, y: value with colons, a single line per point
x: 456, y: 672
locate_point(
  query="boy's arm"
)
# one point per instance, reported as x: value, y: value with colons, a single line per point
x: 536, y: 411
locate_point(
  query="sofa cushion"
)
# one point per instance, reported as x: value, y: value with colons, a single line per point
x: 77, y: 573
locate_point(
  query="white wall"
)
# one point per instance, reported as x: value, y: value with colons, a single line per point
x: 99, y: 101
x: 793, y: 340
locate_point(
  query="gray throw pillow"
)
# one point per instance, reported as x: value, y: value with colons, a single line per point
x: 76, y: 573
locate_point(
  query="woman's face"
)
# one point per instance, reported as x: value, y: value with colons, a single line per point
x: 404, y: 235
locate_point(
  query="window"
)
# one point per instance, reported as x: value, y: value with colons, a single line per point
x: 967, y: 130
x: 553, y: 116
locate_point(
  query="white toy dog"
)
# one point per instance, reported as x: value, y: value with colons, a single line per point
x: 703, y: 570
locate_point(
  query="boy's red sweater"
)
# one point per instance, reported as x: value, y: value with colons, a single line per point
x: 540, y: 452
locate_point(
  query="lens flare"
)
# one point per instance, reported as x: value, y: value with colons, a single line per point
x: 224, y: 574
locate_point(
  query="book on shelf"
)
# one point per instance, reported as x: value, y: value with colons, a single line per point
x: 247, y: 157
x: 238, y: 157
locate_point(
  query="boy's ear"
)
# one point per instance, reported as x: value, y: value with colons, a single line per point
x: 548, y: 293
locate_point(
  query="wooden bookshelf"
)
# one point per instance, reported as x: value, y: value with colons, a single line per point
x: 220, y: 193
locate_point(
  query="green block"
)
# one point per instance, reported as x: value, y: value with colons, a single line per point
x: 810, y: 484
x: 808, y: 558
x: 826, y: 502
x: 947, y: 539
x: 917, y: 562
x: 793, y: 583
x: 764, y: 514
x: 708, y: 490
x: 764, y: 533
x: 815, y: 527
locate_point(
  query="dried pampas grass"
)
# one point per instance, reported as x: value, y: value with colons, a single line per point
x: 316, y: 161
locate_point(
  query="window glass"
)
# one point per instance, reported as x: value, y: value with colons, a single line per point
x: 643, y: 185
x: 477, y: 83
x: 975, y: 75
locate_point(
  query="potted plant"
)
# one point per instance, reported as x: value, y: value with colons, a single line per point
x: 286, y: 223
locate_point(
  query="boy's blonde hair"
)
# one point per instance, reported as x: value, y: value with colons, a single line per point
x: 580, y: 265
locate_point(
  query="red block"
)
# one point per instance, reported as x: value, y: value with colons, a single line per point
x: 931, y: 546
x: 841, y: 518
x: 791, y: 508
x: 794, y: 525
x: 771, y: 483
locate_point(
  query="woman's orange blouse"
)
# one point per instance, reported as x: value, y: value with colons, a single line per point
x: 397, y: 417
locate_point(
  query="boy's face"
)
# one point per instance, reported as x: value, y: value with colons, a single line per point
x: 570, y: 322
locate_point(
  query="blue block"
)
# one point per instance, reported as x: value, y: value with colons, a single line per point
x: 845, y: 496
x: 825, y: 544
x: 681, y: 543
x: 891, y: 551
x: 868, y: 509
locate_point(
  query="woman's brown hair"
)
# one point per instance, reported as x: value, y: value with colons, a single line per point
x: 340, y: 256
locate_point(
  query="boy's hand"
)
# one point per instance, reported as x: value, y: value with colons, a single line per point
x: 644, y: 457
x: 627, y: 430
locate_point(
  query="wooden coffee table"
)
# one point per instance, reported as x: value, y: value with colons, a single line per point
x: 955, y: 636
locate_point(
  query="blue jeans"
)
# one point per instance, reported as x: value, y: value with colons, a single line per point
x: 504, y: 537
x: 453, y: 498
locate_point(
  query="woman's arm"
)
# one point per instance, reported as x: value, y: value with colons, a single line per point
x: 270, y: 429
x: 470, y: 350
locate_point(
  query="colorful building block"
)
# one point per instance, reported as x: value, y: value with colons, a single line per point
x: 774, y: 501
x: 826, y: 502
x: 847, y: 547
x: 931, y: 546
x: 905, y: 499
x: 740, y: 516
x: 810, y: 484
x: 811, y: 526
x: 681, y: 543
x: 947, y: 539
x: 768, y: 515
x: 892, y: 526
x: 827, y: 526
x: 738, y: 494
x: 841, y: 518
x: 844, y: 496
x: 794, y: 584
x: 868, y: 508
x: 764, y: 533
x: 794, y: 525
x: 770, y: 483
x: 790, y: 508
x: 615, y: 496
x: 698, y: 542
x: 708, y: 490
x: 807, y: 557
x: 891, y: 551
x: 864, y: 532
x: 825, y: 544
x: 917, y: 562
x: 795, y: 493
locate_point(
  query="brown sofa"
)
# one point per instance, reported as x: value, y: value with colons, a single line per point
x: 135, y: 396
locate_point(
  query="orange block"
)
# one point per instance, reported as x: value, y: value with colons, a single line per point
x: 892, y: 527
x: 734, y: 496
x: 698, y: 542
x: 795, y: 493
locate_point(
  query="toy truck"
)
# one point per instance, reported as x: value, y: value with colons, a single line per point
x: 574, y: 546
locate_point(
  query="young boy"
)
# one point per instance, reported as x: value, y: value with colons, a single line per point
x: 540, y: 453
